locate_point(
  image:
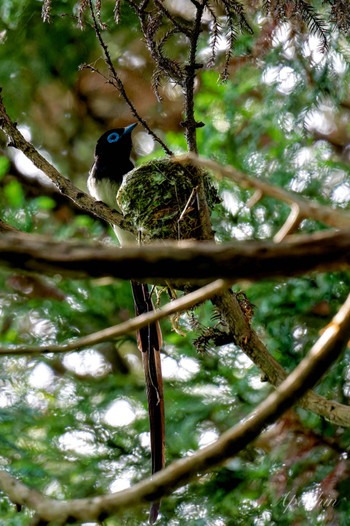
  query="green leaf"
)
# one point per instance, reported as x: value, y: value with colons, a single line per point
x: 14, y: 194
x: 44, y: 202
x: 4, y: 166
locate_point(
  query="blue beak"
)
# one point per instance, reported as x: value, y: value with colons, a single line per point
x: 129, y: 128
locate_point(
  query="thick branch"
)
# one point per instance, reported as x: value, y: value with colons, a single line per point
x: 246, y: 338
x: 198, y: 262
x: 325, y: 351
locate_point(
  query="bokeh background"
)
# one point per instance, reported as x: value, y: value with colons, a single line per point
x: 76, y: 425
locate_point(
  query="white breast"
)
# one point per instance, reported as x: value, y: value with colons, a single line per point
x: 104, y: 190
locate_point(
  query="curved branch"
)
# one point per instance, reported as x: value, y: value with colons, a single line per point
x: 323, y: 353
x: 291, y: 225
x: 307, y: 209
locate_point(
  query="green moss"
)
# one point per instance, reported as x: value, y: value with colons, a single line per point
x: 158, y: 200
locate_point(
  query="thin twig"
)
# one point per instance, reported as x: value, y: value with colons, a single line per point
x: 116, y: 81
x: 291, y: 224
x: 190, y: 123
x: 179, y: 26
x: 130, y: 326
x: 187, y: 205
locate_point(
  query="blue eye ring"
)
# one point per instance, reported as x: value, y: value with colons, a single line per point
x: 113, y: 137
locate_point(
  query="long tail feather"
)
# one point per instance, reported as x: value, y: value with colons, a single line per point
x: 150, y: 342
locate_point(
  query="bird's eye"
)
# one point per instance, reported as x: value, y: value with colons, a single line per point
x: 113, y: 137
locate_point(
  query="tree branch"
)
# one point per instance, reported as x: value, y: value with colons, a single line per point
x: 116, y: 81
x: 197, y: 262
x: 307, y: 209
x: 323, y: 353
x: 190, y: 124
x: 82, y: 200
x: 176, y: 306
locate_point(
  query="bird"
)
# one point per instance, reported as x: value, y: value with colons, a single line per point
x: 112, y: 162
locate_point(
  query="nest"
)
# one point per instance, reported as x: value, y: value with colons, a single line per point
x: 159, y: 200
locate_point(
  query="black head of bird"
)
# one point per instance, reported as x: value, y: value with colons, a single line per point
x: 112, y: 162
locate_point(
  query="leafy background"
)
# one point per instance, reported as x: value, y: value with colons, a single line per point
x: 76, y: 425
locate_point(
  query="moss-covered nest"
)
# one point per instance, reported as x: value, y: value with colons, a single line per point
x: 159, y: 200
